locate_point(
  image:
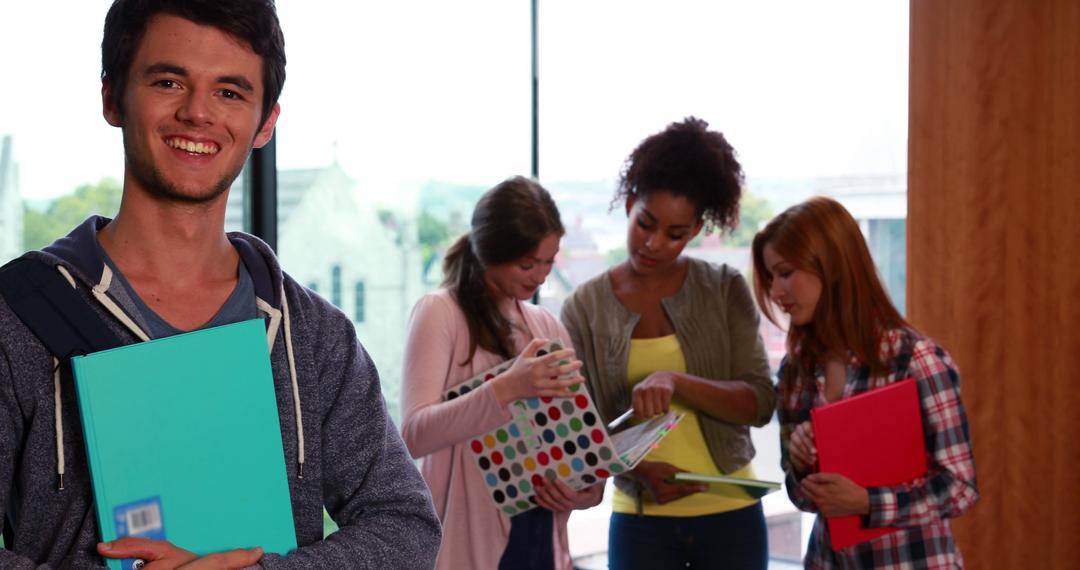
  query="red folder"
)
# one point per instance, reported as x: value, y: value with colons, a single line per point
x: 875, y: 439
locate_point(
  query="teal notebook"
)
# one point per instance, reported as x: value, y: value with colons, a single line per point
x: 184, y: 441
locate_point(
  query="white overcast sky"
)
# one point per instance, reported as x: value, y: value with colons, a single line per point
x: 419, y: 90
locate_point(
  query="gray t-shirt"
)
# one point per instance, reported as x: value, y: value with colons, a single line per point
x: 240, y: 306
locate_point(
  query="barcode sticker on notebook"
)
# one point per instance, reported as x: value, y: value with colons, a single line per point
x: 141, y: 518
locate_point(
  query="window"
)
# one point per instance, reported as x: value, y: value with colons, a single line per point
x: 813, y: 96
x: 359, y: 313
x: 886, y: 238
x: 44, y: 192
x: 395, y: 117
x: 335, y: 285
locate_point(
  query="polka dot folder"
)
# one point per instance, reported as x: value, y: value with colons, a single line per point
x: 554, y: 438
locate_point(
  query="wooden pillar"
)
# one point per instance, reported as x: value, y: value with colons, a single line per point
x: 994, y: 257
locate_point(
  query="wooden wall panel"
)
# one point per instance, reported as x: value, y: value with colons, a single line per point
x: 994, y: 257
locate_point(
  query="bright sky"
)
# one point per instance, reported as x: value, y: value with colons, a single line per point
x: 412, y: 90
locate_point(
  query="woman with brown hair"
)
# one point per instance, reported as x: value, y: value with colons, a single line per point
x: 845, y: 338
x: 480, y: 318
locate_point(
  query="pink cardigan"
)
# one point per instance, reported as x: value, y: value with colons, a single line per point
x: 475, y: 532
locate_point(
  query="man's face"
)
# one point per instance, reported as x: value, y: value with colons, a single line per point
x: 192, y: 107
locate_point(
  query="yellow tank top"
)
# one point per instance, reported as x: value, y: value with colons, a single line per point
x: 684, y: 447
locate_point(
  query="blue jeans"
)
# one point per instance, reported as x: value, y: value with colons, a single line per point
x: 530, y: 546
x: 734, y: 540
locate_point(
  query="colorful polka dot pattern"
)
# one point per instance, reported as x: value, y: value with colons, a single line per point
x: 547, y: 438
x: 470, y: 385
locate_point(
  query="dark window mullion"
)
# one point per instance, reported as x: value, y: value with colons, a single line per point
x: 260, y: 193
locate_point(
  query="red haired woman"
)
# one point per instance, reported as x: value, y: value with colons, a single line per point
x: 845, y: 337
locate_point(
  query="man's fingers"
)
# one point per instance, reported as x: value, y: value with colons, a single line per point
x: 132, y: 547
x: 165, y: 556
x: 238, y: 558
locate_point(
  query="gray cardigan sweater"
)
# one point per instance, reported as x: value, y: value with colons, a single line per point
x: 356, y: 465
x: 716, y: 323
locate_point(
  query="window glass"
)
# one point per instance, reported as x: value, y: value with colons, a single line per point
x: 360, y: 303
x: 335, y: 285
x: 395, y: 117
x: 59, y: 160
x: 812, y: 95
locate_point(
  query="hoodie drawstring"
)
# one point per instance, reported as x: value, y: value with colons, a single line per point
x: 114, y: 309
x: 276, y: 318
x: 99, y: 292
x: 58, y: 407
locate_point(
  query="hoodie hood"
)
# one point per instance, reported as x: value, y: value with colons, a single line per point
x: 78, y: 256
x: 80, y: 253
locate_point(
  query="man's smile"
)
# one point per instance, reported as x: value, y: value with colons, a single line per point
x: 191, y: 146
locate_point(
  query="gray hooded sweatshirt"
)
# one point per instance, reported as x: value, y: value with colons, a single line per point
x: 334, y: 428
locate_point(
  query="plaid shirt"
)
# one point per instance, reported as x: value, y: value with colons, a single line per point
x: 920, y: 508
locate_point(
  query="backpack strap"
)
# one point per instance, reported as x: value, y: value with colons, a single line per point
x: 54, y: 310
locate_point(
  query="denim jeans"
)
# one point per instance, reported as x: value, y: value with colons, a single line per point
x: 531, y: 541
x: 735, y: 540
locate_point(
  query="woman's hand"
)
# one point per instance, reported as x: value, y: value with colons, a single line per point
x: 801, y: 448
x: 836, y: 495
x: 163, y: 555
x: 531, y: 375
x: 559, y: 497
x: 652, y: 396
x: 658, y: 479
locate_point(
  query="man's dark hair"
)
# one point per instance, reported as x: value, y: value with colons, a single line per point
x: 688, y: 160
x: 253, y: 21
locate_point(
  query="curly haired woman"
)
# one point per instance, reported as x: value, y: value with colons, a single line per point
x: 665, y: 331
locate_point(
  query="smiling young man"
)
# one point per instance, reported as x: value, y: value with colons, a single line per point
x: 194, y: 85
